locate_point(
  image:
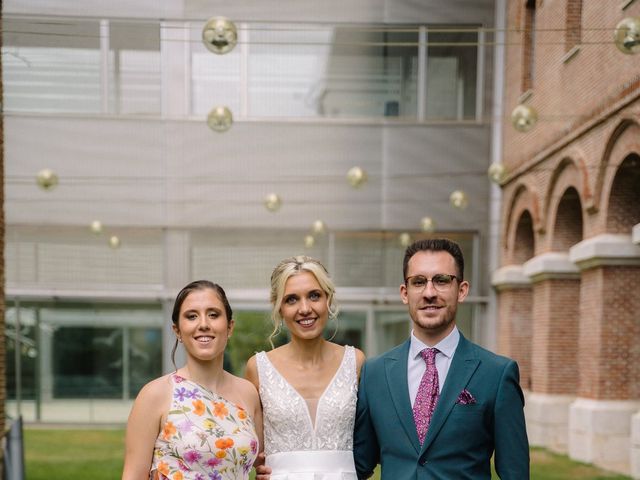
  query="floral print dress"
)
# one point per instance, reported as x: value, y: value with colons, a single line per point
x: 205, y: 437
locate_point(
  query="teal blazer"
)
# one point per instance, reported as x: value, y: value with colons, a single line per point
x: 461, y: 437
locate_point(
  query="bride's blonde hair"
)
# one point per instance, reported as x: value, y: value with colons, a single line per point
x: 285, y: 270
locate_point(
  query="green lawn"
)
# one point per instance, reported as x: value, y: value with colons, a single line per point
x: 98, y: 454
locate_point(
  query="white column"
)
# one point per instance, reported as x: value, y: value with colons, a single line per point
x: 600, y: 432
x: 635, y: 446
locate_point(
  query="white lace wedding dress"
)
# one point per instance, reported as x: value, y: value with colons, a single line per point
x: 296, y: 447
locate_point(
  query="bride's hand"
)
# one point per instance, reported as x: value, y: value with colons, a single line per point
x: 262, y: 471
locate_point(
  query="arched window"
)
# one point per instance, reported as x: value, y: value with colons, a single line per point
x: 573, y: 24
x: 529, y: 42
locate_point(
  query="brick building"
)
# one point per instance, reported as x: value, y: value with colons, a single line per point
x: 570, y: 230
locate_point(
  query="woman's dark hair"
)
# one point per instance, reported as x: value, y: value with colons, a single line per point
x: 184, y: 293
x: 434, y: 245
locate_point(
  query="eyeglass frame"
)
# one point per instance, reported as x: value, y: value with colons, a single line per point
x: 439, y: 289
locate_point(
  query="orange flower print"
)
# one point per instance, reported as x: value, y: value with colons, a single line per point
x: 224, y: 443
x: 220, y: 410
x: 163, y: 468
x: 242, y: 415
x: 221, y: 454
x: 168, y: 430
x: 198, y: 407
x: 178, y: 476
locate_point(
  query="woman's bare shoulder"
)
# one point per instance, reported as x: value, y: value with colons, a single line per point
x: 157, y: 389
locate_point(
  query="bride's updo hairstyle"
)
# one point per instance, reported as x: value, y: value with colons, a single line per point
x: 293, y: 266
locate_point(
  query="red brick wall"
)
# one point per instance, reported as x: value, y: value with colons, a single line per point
x: 554, y: 364
x: 585, y: 333
x: 565, y: 94
x: 514, y: 339
x: 610, y: 334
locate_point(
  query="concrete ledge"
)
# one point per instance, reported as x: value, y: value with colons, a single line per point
x: 600, y: 432
x: 605, y: 249
x: 547, y: 418
x: 510, y: 277
x: 550, y: 265
x: 635, y: 446
x: 635, y: 234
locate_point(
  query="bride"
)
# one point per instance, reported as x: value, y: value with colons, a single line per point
x: 308, y: 387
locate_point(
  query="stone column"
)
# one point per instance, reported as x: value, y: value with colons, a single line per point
x: 609, y: 354
x: 554, y: 377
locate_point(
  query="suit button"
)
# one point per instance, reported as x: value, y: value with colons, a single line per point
x: 423, y: 462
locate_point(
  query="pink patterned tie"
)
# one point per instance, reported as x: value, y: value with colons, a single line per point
x: 428, y: 394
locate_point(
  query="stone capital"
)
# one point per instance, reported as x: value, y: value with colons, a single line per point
x: 510, y: 277
x: 550, y: 265
x: 606, y: 249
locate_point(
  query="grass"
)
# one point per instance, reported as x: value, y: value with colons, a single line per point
x: 73, y: 454
x: 98, y: 455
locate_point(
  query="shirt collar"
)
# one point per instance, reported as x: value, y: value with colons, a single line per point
x: 447, y: 346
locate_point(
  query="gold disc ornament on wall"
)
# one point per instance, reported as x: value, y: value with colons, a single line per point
x: 220, y: 119
x: 114, y: 242
x: 497, y: 172
x: 404, y: 239
x: 627, y: 35
x: 356, y: 177
x: 47, y: 179
x: 427, y: 224
x: 523, y: 118
x: 96, y: 227
x: 319, y: 227
x: 309, y: 241
x: 272, y: 202
x: 459, y: 199
x: 219, y: 35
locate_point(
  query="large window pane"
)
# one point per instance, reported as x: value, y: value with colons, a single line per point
x: 134, y: 66
x: 304, y: 70
x: 87, y: 362
x: 145, y: 357
x: 51, y: 66
x: 451, y: 75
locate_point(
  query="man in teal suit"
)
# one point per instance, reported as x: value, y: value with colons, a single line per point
x: 471, y: 409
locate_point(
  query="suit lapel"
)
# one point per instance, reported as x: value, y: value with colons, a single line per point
x: 396, y: 371
x: 463, y: 365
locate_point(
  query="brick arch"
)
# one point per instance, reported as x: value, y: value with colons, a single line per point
x: 524, y: 200
x: 623, y: 203
x: 563, y: 204
x: 624, y: 139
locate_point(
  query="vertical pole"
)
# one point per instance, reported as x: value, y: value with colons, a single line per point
x: 422, y: 73
x: 104, y: 66
x: 18, y: 360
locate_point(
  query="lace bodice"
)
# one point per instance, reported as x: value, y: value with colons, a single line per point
x: 287, y: 422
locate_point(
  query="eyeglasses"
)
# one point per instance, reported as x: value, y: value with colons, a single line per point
x: 441, y: 282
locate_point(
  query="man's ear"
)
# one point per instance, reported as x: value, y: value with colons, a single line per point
x: 463, y: 290
x: 403, y: 294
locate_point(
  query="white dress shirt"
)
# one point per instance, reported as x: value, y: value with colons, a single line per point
x: 416, y: 365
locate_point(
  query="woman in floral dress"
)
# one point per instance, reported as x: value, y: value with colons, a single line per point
x: 199, y: 422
